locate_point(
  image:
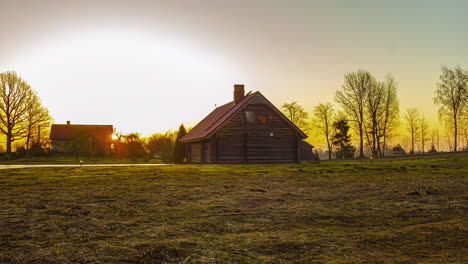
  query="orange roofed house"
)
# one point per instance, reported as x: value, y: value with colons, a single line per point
x: 89, y: 139
x: 249, y: 129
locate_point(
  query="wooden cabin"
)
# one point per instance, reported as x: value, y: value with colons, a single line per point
x: 250, y: 129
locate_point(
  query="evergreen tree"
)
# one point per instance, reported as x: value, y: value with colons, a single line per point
x: 342, y: 140
x: 179, y: 148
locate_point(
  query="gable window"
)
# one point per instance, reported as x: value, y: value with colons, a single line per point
x: 256, y: 118
x: 250, y: 117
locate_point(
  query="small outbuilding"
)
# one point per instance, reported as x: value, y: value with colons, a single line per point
x: 88, y: 139
x: 250, y: 129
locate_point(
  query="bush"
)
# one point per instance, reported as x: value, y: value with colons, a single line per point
x: 20, y: 152
x: 398, y: 150
x: 37, y: 150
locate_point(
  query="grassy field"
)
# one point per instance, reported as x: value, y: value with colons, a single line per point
x: 68, y: 159
x: 399, y: 211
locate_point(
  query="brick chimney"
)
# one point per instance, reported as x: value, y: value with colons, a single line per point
x: 68, y: 123
x: 239, y: 93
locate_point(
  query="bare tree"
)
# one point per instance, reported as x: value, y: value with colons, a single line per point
x: 412, y: 121
x: 464, y: 128
x: 14, y: 97
x: 448, y: 136
x: 424, y: 130
x: 451, y: 96
x: 374, y: 113
x: 36, y: 116
x: 296, y: 113
x: 323, y: 114
x: 391, y: 114
x: 435, y: 138
x: 352, y: 98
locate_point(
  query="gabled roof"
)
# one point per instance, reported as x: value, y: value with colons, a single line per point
x: 67, y: 132
x: 215, y: 120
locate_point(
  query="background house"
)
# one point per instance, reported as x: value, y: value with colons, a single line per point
x: 248, y: 129
x: 89, y: 139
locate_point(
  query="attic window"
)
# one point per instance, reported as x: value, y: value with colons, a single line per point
x: 250, y: 117
x: 256, y: 118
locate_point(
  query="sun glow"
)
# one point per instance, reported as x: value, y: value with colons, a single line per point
x: 136, y: 80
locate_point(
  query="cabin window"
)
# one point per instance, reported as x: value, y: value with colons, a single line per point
x: 256, y: 118
x: 250, y: 117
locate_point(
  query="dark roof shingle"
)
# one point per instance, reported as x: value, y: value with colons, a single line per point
x: 215, y: 119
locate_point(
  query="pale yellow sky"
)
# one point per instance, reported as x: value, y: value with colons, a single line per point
x: 148, y: 66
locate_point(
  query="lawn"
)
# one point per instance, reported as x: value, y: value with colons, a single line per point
x: 410, y: 211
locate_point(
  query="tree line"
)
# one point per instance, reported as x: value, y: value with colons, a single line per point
x: 23, y: 117
x: 163, y: 146
x: 364, y: 105
x: 371, y: 108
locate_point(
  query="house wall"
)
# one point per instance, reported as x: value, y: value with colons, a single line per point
x: 195, y: 152
x: 62, y: 146
x: 241, y: 142
x: 87, y: 145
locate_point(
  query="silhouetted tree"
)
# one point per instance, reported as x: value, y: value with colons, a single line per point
x: 464, y: 129
x: 424, y: 131
x: 452, y: 97
x: 343, y: 140
x: 391, y: 111
x: 323, y: 114
x: 352, y: 98
x: 162, y: 145
x: 36, y: 116
x: 412, y: 124
x: 374, y: 114
x: 134, y: 146
x: 296, y: 113
x: 15, y: 94
x: 179, y: 148
x: 435, y: 138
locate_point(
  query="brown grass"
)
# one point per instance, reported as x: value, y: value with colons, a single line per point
x: 388, y: 212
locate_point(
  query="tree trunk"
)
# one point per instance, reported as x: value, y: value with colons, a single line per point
x: 329, y: 150
x: 384, y: 146
x: 374, y: 136
x: 455, y: 133
x: 342, y: 151
x: 8, y: 143
x: 379, y: 150
x: 361, y: 143
x: 28, y: 138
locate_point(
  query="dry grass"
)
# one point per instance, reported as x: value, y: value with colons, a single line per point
x: 388, y: 212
